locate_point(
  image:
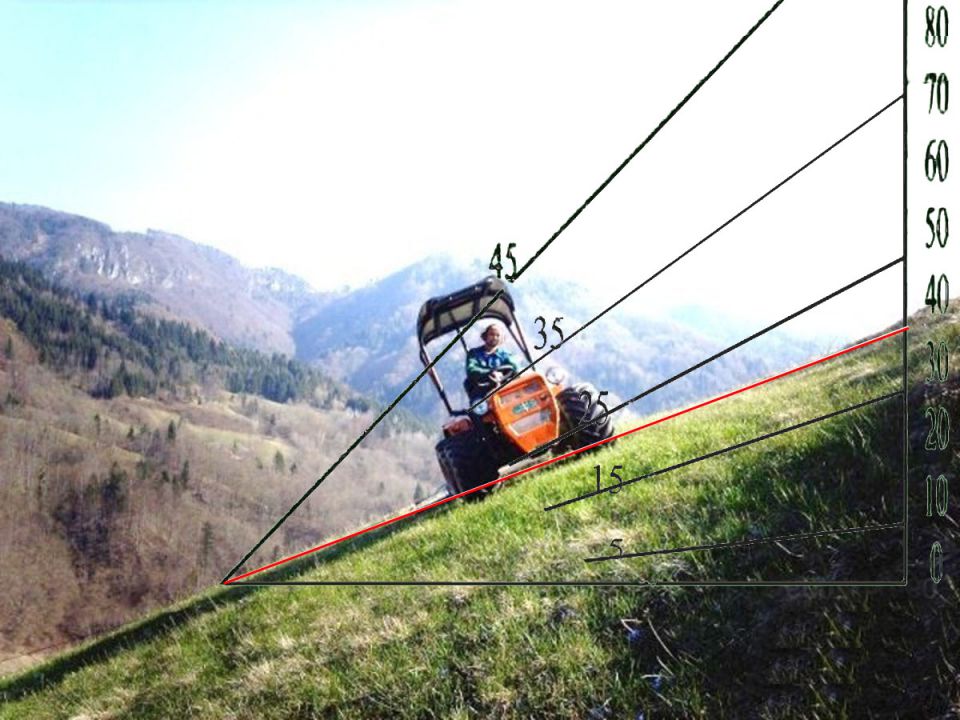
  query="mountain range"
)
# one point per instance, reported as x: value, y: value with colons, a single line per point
x: 365, y: 337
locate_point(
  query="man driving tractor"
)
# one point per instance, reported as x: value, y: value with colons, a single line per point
x: 523, y: 413
x: 488, y: 365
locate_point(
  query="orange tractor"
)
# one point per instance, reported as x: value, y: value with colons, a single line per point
x: 522, y: 412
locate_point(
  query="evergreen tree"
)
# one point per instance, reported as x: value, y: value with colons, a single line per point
x: 116, y: 387
x: 206, y: 543
x: 136, y: 354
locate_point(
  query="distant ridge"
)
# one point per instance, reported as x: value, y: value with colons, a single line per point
x: 255, y: 308
x: 365, y: 336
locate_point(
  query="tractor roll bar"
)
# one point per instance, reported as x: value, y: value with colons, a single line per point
x: 448, y: 313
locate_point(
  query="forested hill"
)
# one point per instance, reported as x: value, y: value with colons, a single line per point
x: 141, y: 456
x: 364, y: 337
x: 111, y: 348
x: 253, y: 307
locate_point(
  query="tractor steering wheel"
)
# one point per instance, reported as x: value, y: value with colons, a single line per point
x: 506, y: 373
x: 487, y: 382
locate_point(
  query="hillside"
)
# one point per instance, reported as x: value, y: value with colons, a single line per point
x: 615, y: 652
x: 250, y: 307
x: 139, y: 456
x: 365, y: 336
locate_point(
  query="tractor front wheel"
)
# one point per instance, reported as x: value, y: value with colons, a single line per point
x: 580, y: 409
x: 465, y: 463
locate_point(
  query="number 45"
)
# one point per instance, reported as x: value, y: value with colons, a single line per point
x: 497, y: 266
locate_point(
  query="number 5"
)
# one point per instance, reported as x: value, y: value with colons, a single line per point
x: 558, y: 331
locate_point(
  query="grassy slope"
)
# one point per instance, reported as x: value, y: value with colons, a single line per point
x: 563, y: 652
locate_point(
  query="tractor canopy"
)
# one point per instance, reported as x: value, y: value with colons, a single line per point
x: 448, y: 313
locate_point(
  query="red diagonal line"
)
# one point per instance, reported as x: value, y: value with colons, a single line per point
x: 416, y: 511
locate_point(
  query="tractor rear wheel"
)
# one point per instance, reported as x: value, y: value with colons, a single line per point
x: 465, y: 463
x: 579, y: 406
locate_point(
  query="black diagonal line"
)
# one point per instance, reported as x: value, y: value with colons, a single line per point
x: 362, y: 435
x: 646, y: 140
x: 707, y: 237
x: 730, y: 448
x: 546, y: 446
x: 744, y: 543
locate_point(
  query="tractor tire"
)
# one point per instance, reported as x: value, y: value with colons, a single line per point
x: 465, y: 464
x: 578, y: 406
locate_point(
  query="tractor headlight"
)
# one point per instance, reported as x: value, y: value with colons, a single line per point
x: 556, y: 375
x: 481, y: 408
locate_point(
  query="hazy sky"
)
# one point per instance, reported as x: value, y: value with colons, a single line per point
x: 343, y: 140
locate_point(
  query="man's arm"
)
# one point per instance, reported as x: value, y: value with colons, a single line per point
x: 474, y: 366
x: 508, y: 359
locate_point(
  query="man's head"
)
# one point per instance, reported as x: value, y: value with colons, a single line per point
x: 492, y: 337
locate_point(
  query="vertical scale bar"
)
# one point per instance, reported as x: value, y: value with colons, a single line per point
x: 906, y: 413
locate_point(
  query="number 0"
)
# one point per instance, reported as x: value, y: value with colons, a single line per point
x: 936, y: 563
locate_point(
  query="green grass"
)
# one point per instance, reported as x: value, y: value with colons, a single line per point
x: 466, y: 651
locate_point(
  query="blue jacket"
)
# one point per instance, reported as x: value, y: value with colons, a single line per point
x: 480, y: 362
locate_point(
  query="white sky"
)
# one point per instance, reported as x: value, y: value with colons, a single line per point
x: 343, y: 141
